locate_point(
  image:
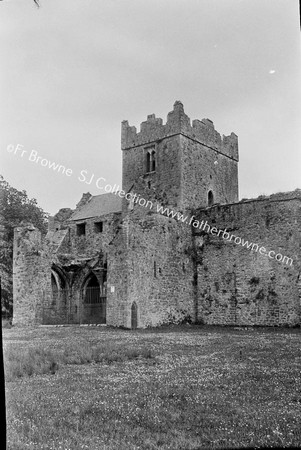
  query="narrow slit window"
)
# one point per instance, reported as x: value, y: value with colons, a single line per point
x: 148, y: 162
x: 210, y: 198
x: 153, y: 161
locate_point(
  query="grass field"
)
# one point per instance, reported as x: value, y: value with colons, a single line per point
x: 173, y: 388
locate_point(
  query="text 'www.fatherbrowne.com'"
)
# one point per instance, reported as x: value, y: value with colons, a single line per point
x: 204, y: 226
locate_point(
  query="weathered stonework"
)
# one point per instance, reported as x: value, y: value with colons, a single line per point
x: 31, y: 266
x: 250, y: 288
x: 190, y: 160
x: 120, y: 261
x: 156, y: 270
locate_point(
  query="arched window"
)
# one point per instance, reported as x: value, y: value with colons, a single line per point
x: 150, y: 160
x: 210, y: 198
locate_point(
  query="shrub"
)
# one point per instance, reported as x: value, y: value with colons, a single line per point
x: 178, y: 317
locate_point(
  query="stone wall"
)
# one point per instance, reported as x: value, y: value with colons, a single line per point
x: 117, y: 277
x: 205, y: 169
x: 241, y: 286
x: 152, y: 269
x: 31, y: 270
x: 94, y: 240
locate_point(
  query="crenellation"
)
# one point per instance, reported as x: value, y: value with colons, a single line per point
x: 229, y: 146
x: 178, y: 122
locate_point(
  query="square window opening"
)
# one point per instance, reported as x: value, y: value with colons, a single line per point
x: 98, y: 227
x: 81, y: 229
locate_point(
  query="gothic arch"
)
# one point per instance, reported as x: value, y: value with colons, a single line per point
x: 91, y: 289
x: 60, y: 273
x: 93, y: 298
x: 59, y: 287
x: 81, y: 278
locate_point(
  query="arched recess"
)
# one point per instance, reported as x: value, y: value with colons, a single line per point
x: 134, y: 316
x: 91, y: 289
x: 210, y: 198
x: 58, y: 288
x: 93, y: 306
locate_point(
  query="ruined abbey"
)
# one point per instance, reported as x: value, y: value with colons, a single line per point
x: 174, y: 244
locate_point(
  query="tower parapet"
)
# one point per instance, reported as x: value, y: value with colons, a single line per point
x: 178, y: 122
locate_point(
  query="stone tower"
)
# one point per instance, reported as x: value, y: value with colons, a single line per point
x: 181, y: 165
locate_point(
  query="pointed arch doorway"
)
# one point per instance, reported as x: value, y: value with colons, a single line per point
x: 93, y: 309
x: 134, y: 316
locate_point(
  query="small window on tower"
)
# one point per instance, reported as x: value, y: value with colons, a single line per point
x: 80, y: 229
x: 98, y: 227
x: 150, y: 159
x: 148, y: 162
x: 210, y: 198
x: 153, y: 161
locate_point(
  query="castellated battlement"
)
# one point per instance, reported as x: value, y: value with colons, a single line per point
x: 178, y: 122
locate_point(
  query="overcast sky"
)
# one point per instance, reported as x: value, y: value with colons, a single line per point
x: 72, y: 70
